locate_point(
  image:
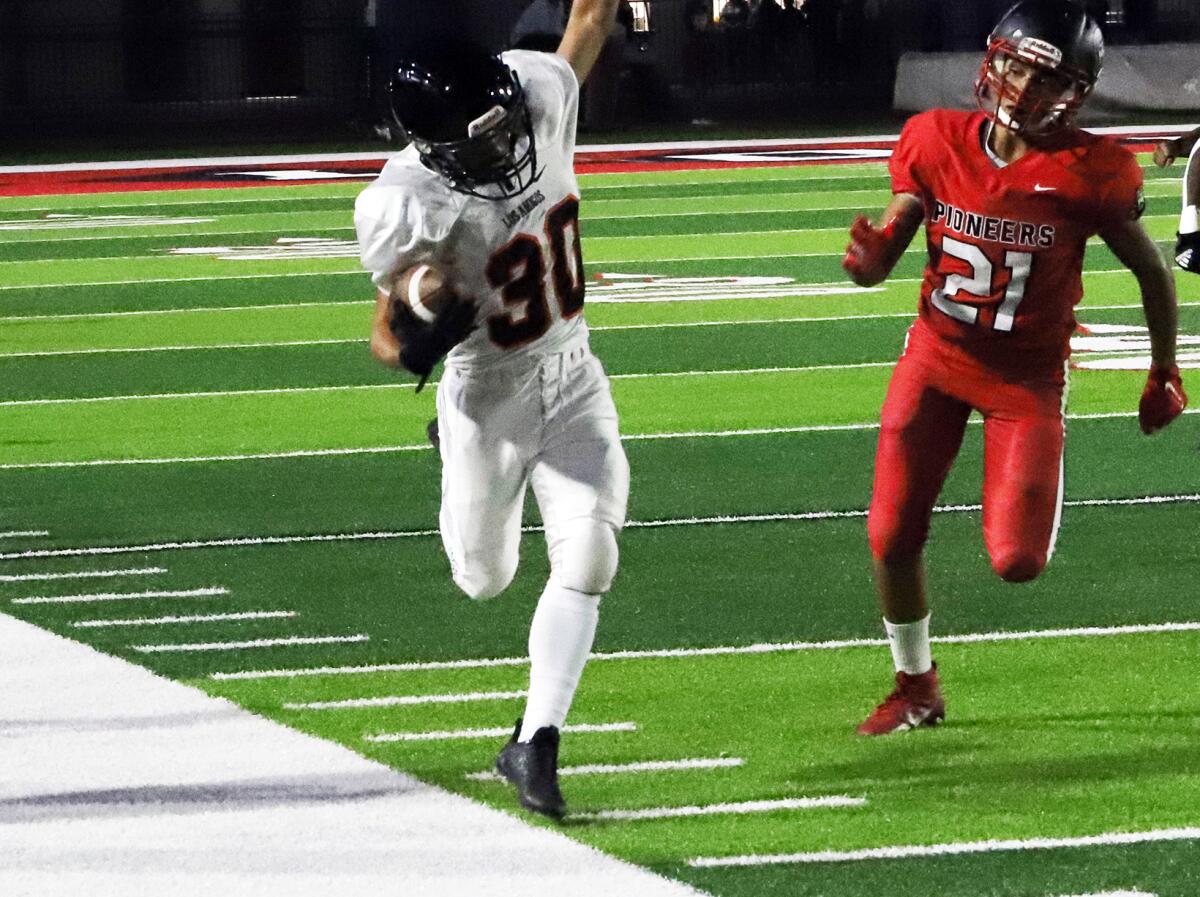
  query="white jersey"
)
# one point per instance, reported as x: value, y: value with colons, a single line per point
x: 518, y: 258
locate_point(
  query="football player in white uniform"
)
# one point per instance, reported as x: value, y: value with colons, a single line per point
x: 1187, y: 243
x: 486, y: 194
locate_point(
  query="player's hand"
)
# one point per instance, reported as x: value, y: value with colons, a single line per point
x: 423, y: 345
x: 1165, y: 153
x: 1187, y: 252
x: 866, y: 256
x: 1163, y: 399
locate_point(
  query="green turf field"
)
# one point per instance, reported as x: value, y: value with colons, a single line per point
x: 202, y: 471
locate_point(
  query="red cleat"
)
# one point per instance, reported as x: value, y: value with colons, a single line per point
x: 916, y: 701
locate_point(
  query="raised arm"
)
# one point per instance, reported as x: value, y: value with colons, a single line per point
x: 1168, y: 151
x: 587, y: 30
x: 874, y: 251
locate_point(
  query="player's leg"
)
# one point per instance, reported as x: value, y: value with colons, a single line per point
x: 484, y: 474
x: 1187, y: 247
x: 581, y: 481
x: 1023, y: 482
x: 921, y: 430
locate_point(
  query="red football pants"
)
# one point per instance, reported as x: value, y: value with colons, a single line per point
x: 932, y: 392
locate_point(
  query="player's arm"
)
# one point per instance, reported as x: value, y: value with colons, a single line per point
x: 874, y: 251
x: 1163, y: 399
x: 587, y: 30
x: 385, y: 345
x: 1168, y: 151
x: 400, y: 340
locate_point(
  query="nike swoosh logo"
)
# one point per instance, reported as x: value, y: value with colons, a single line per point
x: 1040, y: 189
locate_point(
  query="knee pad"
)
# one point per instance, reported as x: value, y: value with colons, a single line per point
x: 1018, y: 565
x: 585, y: 558
x: 483, y: 581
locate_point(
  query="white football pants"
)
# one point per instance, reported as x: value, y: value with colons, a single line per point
x: 547, y: 421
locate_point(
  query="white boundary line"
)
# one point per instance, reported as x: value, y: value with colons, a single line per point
x: 82, y: 574
x: 25, y: 534
x: 598, y: 769
x: 1111, y: 839
x: 211, y: 592
x: 631, y: 524
x: 749, y: 806
x: 579, y: 728
x: 763, y: 648
x: 194, y: 618
x: 407, y: 700
x: 251, y: 643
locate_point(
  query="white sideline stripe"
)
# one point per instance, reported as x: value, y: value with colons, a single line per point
x: 579, y: 728
x: 121, y: 596
x: 1112, y: 839
x: 82, y: 574
x: 251, y: 643
x: 424, y: 447
x: 24, y: 533
x: 1115, y: 894
x: 407, y: 700
x: 194, y: 618
x: 104, y: 760
x: 597, y: 769
x: 207, y: 309
x: 749, y: 806
x: 630, y: 524
x: 763, y: 648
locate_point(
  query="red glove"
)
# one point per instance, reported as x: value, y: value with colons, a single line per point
x: 1163, y: 399
x: 865, y: 256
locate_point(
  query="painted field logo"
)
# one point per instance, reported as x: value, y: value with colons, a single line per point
x: 284, y: 248
x: 1122, y: 347
x: 657, y: 288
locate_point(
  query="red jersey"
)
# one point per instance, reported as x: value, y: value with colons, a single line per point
x: 1006, y: 243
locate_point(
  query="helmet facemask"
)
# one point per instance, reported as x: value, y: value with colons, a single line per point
x: 498, y: 157
x: 1025, y: 87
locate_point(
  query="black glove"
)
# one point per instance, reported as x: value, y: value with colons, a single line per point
x: 424, y: 345
x: 1187, y: 252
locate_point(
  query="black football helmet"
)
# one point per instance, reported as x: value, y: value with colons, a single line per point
x: 465, y: 112
x: 1043, y: 59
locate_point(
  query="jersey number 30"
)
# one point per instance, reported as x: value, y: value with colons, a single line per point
x: 980, y: 284
x: 518, y: 271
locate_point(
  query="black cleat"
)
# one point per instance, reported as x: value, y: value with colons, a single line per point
x: 533, y: 767
x: 431, y: 432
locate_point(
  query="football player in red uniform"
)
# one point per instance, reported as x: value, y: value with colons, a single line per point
x: 1009, y: 196
x: 1187, y: 244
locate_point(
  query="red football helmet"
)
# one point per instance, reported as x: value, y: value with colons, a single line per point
x: 1043, y: 59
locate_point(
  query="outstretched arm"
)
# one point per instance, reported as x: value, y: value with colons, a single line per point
x: 874, y: 251
x: 1168, y: 151
x: 1163, y: 398
x: 587, y: 30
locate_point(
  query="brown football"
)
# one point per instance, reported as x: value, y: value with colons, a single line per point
x: 424, y: 290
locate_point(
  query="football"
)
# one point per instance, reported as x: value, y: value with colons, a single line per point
x: 424, y: 290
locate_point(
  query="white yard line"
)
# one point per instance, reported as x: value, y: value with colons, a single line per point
x: 1112, y: 839
x: 407, y: 700
x: 749, y: 806
x: 206, y: 309
x: 451, y: 735
x: 24, y: 534
x: 82, y: 574
x: 598, y: 769
x: 761, y: 648
x: 118, y: 781
x: 357, y: 272
x: 210, y: 592
x: 249, y: 644
x: 424, y: 447
x: 193, y: 618
x: 188, y: 348
x: 631, y: 524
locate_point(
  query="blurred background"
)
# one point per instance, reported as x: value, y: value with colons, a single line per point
x: 317, y: 69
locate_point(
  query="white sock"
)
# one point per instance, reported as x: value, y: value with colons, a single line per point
x: 560, y: 639
x: 1189, y: 221
x: 910, y: 646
